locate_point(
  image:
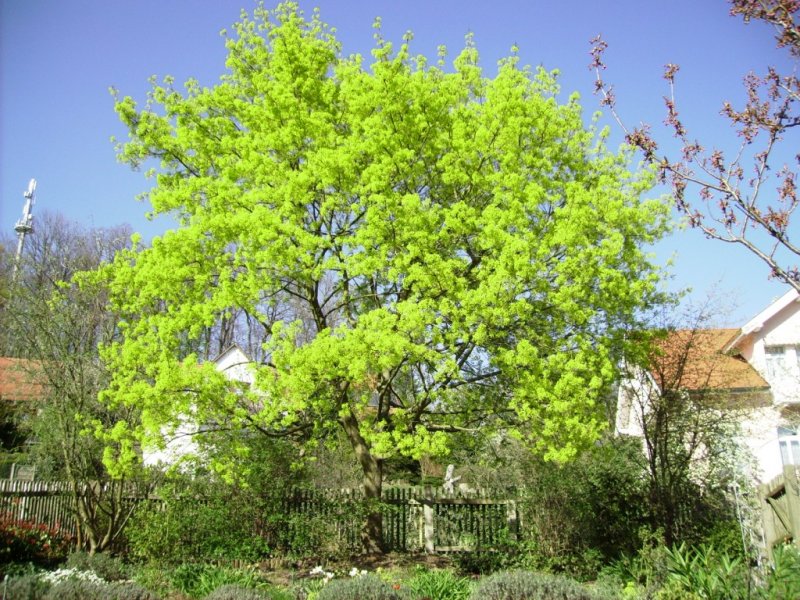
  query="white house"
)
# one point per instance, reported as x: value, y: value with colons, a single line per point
x: 754, y: 370
x: 235, y: 364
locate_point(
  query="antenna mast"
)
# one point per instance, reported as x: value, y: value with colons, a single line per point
x: 25, y: 224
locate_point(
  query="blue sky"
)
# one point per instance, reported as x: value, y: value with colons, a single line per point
x: 58, y: 59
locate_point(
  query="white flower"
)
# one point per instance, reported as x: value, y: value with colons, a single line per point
x: 326, y: 575
x: 60, y: 575
x: 354, y: 572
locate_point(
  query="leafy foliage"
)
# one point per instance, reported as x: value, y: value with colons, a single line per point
x: 576, y: 516
x: 198, y: 520
x: 56, y: 326
x: 784, y: 578
x: 25, y: 541
x: 102, y: 564
x: 706, y: 573
x: 197, y: 580
x: 439, y: 584
x: 424, y: 251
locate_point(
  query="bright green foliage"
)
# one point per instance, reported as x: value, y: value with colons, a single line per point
x: 706, y: 573
x: 199, y: 520
x: 784, y: 577
x: 439, y: 584
x: 197, y: 580
x: 440, y: 245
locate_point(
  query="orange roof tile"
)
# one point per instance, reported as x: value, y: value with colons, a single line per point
x: 693, y: 360
x: 18, y: 379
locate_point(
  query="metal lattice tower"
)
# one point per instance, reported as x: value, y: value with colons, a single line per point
x: 25, y: 225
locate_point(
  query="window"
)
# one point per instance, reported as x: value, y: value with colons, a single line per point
x: 775, y: 360
x: 789, y: 444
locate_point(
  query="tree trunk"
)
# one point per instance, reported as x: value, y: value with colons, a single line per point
x: 372, y: 467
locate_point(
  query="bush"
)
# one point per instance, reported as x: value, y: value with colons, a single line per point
x: 101, y: 564
x: 231, y: 591
x: 204, y: 521
x: 784, y: 578
x: 198, y: 580
x: 363, y: 587
x: 24, y: 587
x: 483, y: 562
x: 77, y: 589
x: 129, y: 590
x: 707, y: 573
x: 526, y: 585
x: 439, y: 585
x: 25, y: 541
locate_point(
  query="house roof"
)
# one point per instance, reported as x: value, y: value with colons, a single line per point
x: 758, y: 322
x: 18, y: 379
x: 695, y: 360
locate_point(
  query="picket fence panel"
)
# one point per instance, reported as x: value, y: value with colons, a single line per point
x: 414, y: 518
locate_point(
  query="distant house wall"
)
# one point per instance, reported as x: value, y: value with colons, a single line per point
x: 770, y: 426
x: 181, y: 442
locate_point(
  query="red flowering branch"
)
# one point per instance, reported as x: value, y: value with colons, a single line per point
x: 716, y: 192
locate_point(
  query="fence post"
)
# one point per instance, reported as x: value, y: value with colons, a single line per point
x: 512, y: 519
x: 791, y: 483
x: 429, y: 530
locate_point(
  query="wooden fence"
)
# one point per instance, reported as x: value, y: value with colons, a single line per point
x: 47, y: 502
x: 414, y: 518
x: 780, y: 508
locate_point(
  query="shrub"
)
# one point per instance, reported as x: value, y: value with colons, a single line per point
x: 648, y: 569
x: 77, y: 589
x: 707, y: 573
x: 24, y: 587
x: 206, y: 523
x: 439, y: 584
x: 197, y: 580
x: 129, y: 590
x: 484, y: 562
x: 784, y: 578
x: 25, y: 541
x: 526, y: 585
x: 363, y: 587
x: 101, y: 564
x: 231, y: 591
x: 153, y: 577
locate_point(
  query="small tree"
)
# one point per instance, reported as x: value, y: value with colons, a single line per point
x: 448, y: 252
x: 679, y: 398
x: 734, y: 202
x: 57, y: 326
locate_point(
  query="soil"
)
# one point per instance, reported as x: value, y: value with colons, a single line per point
x: 288, y: 572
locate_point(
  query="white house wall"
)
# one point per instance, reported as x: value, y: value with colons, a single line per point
x: 759, y: 435
x: 781, y: 332
x: 181, y: 443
